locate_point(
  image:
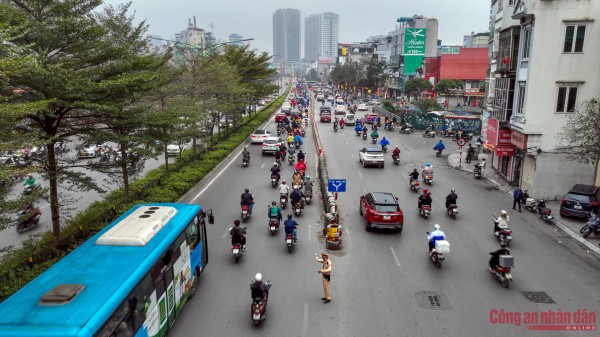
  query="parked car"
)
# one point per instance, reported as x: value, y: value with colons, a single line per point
x: 271, y: 145
x: 580, y: 200
x: 259, y: 136
x: 381, y: 210
x: 173, y: 149
x: 371, y: 156
x: 87, y: 151
x: 325, y: 116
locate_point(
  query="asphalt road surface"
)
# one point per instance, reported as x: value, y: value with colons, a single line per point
x: 383, y: 283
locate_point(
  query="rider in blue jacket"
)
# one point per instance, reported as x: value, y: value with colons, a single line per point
x: 290, y: 227
x: 439, y: 146
x: 358, y: 128
x: 384, y: 142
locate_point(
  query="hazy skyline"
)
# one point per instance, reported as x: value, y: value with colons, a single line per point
x: 358, y: 19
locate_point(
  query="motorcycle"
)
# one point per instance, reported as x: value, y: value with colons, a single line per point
x: 414, y: 186
x: 245, y: 162
x: 258, y: 308
x: 452, y: 210
x: 31, y: 188
x: 389, y: 127
x: 279, y: 131
x: 291, y: 159
x: 406, y: 129
x: 429, y: 133
x: 290, y: 242
x: 544, y: 212
x: 307, y: 196
x: 303, y: 132
x: 384, y: 148
x: 335, y: 127
x: 374, y: 140
x: 358, y: 133
x: 468, y: 136
x: 591, y: 226
x: 477, y: 172
x: 438, y: 153
x: 503, y: 275
x: 437, y: 255
x: 364, y: 135
x: 425, y: 211
x: 273, y: 225
x: 246, y: 213
x: 283, y: 200
x: 298, y: 208
x: 297, y: 145
x: 428, y: 178
x: 341, y: 126
x: 396, y: 160
x: 503, y: 235
x: 274, y: 180
x: 529, y: 203
x: 28, y: 220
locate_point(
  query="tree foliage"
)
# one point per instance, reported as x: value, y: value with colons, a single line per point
x: 445, y: 86
x: 580, y: 137
x: 346, y: 74
x: 313, y: 75
x: 415, y: 86
x: 376, y: 73
x: 428, y: 104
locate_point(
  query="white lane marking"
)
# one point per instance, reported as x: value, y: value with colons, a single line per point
x: 305, y: 323
x: 404, y: 175
x: 395, y: 256
x: 225, y: 234
x: 360, y: 174
x: 347, y: 143
x: 263, y: 165
x: 42, y: 207
x: 223, y: 170
x: 309, y: 232
x: 353, y: 156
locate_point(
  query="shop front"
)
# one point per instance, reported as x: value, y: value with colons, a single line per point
x: 523, y: 165
x: 503, y: 151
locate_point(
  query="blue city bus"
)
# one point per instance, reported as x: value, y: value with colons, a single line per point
x: 130, y: 279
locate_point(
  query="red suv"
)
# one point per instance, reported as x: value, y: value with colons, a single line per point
x: 381, y: 210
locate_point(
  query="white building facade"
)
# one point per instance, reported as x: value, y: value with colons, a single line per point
x: 286, y: 35
x: 321, y: 35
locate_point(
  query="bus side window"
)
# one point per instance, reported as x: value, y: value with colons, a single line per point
x: 119, y: 324
x: 193, y: 234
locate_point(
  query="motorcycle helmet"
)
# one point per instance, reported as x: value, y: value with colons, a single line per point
x: 247, y: 190
x: 396, y: 147
x: 275, y: 164
x: 283, y: 182
x: 452, y: 191
x: 289, y: 216
x: 29, y: 175
x: 236, y: 222
x: 436, y: 226
x: 307, y: 177
x: 428, y: 164
x: 503, y: 212
x: 273, y: 203
x: 258, y: 277
x: 425, y: 190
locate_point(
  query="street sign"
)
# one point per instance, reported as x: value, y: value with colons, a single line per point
x: 461, y: 142
x: 336, y: 185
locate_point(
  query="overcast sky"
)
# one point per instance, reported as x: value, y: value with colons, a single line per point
x: 358, y: 19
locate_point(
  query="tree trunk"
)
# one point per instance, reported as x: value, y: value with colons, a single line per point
x: 53, y: 179
x: 194, y: 144
x: 124, y: 169
x: 166, y: 158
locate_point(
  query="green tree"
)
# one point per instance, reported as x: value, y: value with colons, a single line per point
x: 445, y: 86
x: 312, y: 75
x: 428, y: 104
x: 415, y: 86
x: 580, y: 137
x: 376, y: 73
x: 84, y: 65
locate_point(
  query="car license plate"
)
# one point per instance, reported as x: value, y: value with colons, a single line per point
x: 577, y: 207
x: 288, y: 240
x: 509, y: 237
x: 386, y: 217
x: 235, y: 251
x: 455, y: 210
x: 272, y: 228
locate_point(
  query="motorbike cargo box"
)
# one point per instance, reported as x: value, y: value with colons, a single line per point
x: 442, y: 246
x: 506, y: 261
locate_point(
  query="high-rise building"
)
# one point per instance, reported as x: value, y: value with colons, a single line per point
x: 235, y: 38
x: 286, y: 35
x: 192, y: 35
x: 321, y: 33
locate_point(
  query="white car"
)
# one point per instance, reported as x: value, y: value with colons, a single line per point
x: 349, y: 119
x: 371, y: 156
x: 362, y: 107
x: 271, y: 145
x: 320, y: 97
x: 87, y: 151
x: 340, y: 110
x: 259, y: 136
x: 172, y: 150
x: 339, y: 101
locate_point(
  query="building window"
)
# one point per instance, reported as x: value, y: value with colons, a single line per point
x: 574, y: 36
x: 566, y: 100
x: 500, y: 5
x: 511, y: 2
x: 521, y: 99
x: 526, y: 43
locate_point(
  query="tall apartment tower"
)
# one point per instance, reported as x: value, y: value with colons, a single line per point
x: 192, y: 35
x: 321, y: 36
x: 286, y: 35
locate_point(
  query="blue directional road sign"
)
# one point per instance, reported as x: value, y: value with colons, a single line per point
x: 336, y: 185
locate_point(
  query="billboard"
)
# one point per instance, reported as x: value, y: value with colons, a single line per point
x: 414, y: 49
x: 324, y: 59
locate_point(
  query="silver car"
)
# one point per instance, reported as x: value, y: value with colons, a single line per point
x: 271, y: 145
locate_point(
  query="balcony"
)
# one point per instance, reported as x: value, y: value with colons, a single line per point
x: 508, y: 51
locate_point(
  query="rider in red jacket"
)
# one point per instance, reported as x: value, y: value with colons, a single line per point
x: 301, y: 166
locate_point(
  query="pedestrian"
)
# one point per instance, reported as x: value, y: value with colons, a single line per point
x: 470, y: 153
x: 517, y: 194
x: 325, y: 275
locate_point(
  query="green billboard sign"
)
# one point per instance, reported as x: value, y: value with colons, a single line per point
x: 450, y: 50
x: 414, y: 49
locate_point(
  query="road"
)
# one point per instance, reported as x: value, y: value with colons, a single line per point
x: 381, y: 282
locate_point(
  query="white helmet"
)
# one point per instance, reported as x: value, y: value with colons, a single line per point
x: 503, y: 212
x: 436, y: 226
x: 258, y: 277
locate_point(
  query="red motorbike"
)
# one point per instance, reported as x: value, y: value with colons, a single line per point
x: 28, y: 219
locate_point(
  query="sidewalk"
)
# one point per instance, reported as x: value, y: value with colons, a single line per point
x: 569, y: 226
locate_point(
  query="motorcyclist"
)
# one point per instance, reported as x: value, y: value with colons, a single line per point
x: 342, y: 123
x: 282, y: 149
x: 291, y: 152
x: 384, y: 142
x: 296, y: 197
x: 502, y: 222
x: 301, y: 155
x: 414, y: 175
x: 247, y: 200
x: 275, y: 170
x: 439, y: 146
x: 30, y: 181
x: 298, y: 140
x: 275, y: 212
x: 434, y: 236
x: 364, y: 132
x: 260, y: 289
x: 427, y: 170
x: 296, y: 179
x: 283, y: 188
x: 246, y: 155
x: 237, y: 234
x: 291, y: 227
x: 396, y: 154
x: 290, y: 139
x: 374, y: 135
x: 300, y: 166
x: 308, y: 185
x: 541, y: 205
x: 425, y: 199
x: 495, y: 257
x: 451, y: 198
x: 358, y: 128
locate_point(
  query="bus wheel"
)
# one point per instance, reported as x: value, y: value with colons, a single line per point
x: 195, y: 283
